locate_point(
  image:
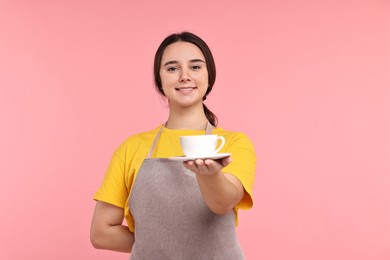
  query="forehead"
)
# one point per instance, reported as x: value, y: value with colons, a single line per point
x: 182, y: 52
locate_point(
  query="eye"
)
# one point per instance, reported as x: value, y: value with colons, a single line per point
x: 171, y: 69
x: 195, y: 67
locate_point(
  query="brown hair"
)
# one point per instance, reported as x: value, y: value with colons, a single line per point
x: 191, y: 38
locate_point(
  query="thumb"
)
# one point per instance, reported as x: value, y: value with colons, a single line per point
x: 225, y: 161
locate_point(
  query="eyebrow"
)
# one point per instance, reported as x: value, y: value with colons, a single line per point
x: 176, y: 62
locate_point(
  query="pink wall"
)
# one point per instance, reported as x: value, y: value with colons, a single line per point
x: 308, y: 81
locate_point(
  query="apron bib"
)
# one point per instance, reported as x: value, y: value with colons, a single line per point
x: 171, y: 219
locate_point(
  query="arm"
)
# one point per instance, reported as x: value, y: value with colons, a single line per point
x: 107, y: 231
x: 221, y: 191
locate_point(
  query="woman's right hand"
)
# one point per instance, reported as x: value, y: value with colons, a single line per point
x: 107, y: 231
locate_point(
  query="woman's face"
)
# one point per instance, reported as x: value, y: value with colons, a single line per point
x: 183, y: 74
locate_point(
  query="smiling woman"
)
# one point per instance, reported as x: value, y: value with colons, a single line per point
x: 176, y: 209
x: 184, y: 77
x: 202, y: 54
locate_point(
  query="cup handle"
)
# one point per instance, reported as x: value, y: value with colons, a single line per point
x: 221, y: 145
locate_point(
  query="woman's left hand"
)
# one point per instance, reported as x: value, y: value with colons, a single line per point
x: 207, y: 166
x: 221, y: 191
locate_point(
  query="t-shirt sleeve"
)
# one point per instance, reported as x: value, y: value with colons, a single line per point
x: 113, y: 189
x: 243, y: 166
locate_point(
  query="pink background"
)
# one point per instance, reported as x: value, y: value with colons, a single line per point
x: 308, y: 81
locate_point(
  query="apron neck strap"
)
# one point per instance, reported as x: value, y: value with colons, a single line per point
x: 209, y: 130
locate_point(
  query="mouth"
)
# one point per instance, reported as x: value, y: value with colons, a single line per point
x: 185, y: 89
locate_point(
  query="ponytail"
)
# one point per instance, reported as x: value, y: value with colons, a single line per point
x: 210, y: 116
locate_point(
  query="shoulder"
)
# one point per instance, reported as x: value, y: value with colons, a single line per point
x: 233, y: 137
x: 238, y: 144
x: 136, y: 142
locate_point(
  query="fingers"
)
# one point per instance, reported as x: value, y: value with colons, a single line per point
x: 225, y: 161
x: 196, y: 166
x: 207, y: 166
x: 202, y: 166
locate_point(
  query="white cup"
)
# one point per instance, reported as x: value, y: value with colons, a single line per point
x: 201, y: 145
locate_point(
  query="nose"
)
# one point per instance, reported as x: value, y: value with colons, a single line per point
x: 185, y: 76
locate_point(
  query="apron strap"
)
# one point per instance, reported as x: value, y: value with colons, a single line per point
x: 155, y: 141
x: 209, y: 130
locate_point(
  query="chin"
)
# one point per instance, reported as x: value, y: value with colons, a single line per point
x: 188, y: 104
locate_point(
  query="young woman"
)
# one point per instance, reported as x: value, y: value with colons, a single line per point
x: 173, y: 209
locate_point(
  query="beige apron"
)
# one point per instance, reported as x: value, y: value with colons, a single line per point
x: 171, y: 218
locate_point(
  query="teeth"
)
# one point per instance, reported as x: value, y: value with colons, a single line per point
x: 184, y: 88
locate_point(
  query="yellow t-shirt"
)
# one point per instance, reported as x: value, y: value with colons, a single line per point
x: 127, y: 160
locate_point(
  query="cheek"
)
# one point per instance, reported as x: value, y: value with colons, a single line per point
x: 167, y: 77
x: 203, y: 79
x: 164, y: 79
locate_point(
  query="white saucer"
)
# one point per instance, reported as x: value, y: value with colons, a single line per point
x: 185, y: 158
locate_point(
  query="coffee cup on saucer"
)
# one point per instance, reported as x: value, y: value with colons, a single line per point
x: 201, y: 146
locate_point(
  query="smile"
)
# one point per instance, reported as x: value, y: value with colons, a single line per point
x: 185, y: 89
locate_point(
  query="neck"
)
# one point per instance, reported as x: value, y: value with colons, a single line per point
x: 187, y: 118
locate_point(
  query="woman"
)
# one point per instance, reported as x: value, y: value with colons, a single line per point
x: 176, y: 210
